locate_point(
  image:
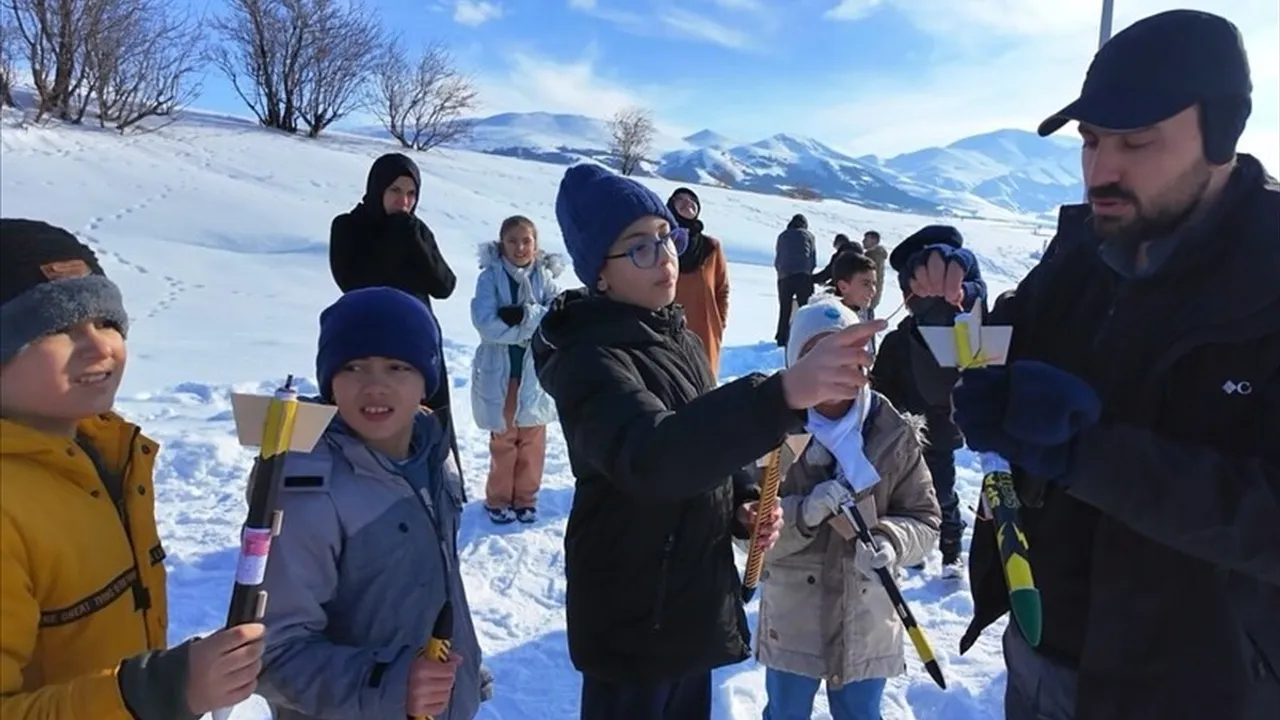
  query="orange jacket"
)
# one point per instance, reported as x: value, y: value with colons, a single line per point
x: 705, y: 297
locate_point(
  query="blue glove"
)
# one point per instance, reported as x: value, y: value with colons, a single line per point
x: 920, y: 257
x: 1029, y: 413
x: 974, y: 287
x: 1048, y: 406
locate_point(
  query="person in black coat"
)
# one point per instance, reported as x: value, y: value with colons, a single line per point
x: 381, y: 242
x: 907, y: 373
x: 1139, y: 403
x: 653, y: 600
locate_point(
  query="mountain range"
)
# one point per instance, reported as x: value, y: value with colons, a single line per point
x: 999, y: 174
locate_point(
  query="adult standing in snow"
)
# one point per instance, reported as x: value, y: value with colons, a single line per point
x: 794, y: 258
x: 382, y: 242
x: 872, y: 248
x: 703, y: 284
x: 1140, y: 405
x: 515, y: 286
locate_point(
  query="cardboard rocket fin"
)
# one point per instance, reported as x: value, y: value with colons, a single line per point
x: 309, y: 423
x: 969, y: 343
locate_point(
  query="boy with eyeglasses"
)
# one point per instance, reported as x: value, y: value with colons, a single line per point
x: 653, y: 600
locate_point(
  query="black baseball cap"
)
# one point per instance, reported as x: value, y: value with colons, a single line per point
x: 1155, y: 69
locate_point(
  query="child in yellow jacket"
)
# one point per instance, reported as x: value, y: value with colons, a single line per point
x: 83, y: 613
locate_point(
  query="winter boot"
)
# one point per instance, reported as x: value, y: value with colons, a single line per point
x: 952, y: 568
x: 501, y: 516
x: 527, y: 515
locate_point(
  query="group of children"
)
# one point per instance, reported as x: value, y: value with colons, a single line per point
x: 663, y: 460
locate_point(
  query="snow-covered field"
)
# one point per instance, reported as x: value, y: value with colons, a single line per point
x: 217, y: 232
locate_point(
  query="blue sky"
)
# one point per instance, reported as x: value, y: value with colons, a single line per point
x: 866, y: 76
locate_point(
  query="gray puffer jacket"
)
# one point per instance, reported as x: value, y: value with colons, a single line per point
x: 795, y: 253
x: 357, y: 576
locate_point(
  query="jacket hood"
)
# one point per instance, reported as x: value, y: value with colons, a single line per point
x: 490, y: 255
x: 582, y: 317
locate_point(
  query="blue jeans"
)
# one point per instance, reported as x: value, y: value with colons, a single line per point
x: 791, y: 697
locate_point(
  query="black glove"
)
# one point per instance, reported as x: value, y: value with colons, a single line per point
x: 402, y: 225
x: 512, y: 315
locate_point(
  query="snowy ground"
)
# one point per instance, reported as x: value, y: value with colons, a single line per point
x: 217, y: 232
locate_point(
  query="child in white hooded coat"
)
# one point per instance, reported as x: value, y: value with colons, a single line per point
x: 515, y: 286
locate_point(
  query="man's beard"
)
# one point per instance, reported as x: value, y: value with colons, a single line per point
x: 1157, y: 219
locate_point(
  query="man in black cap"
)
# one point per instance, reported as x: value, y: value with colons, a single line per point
x: 1140, y: 402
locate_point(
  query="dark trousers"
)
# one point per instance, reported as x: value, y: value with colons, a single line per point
x: 685, y: 699
x: 1036, y: 688
x: 942, y: 465
x: 797, y: 288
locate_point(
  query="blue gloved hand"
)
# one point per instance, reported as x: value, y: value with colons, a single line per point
x: 1048, y: 406
x: 1028, y: 412
x: 949, y: 253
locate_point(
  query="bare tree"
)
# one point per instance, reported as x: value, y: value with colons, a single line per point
x: 262, y: 51
x: 341, y: 54
x: 144, y: 63
x: 8, y: 59
x: 52, y: 36
x: 422, y: 104
x: 632, y: 130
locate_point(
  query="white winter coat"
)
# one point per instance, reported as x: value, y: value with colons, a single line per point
x: 491, y: 369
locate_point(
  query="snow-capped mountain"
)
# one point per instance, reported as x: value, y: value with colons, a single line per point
x: 1013, y: 169
x: 782, y: 164
x: 996, y: 175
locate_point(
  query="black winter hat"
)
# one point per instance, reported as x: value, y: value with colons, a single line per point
x: 798, y: 222
x: 1160, y: 66
x: 685, y: 191
x: 49, y: 280
x: 922, y: 238
x: 385, y: 171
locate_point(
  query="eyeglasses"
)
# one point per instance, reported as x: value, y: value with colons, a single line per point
x: 645, y: 255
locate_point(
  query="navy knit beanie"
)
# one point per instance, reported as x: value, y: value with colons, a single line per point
x: 593, y: 207
x: 378, y: 322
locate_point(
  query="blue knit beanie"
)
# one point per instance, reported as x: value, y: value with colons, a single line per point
x: 593, y: 207
x: 378, y: 322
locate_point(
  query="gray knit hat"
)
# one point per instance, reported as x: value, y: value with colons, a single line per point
x: 49, y: 281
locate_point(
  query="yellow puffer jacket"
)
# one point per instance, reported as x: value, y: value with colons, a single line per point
x: 77, y: 594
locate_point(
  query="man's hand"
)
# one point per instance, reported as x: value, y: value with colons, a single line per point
x: 512, y: 315
x: 835, y: 369
x: 430, y: 685
x: 935, y: 271
x: 771, y: 529
x: 223, y: 667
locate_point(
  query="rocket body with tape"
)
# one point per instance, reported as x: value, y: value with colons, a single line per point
x: 248, y: 599
x: 857, y: 527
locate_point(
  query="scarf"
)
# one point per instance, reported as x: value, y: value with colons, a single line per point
x: 693, y: 257
x: 523, y: 276
x: 842, y: 437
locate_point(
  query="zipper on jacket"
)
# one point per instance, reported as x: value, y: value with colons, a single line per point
x: 116, y: 491
x: 667, y: 545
